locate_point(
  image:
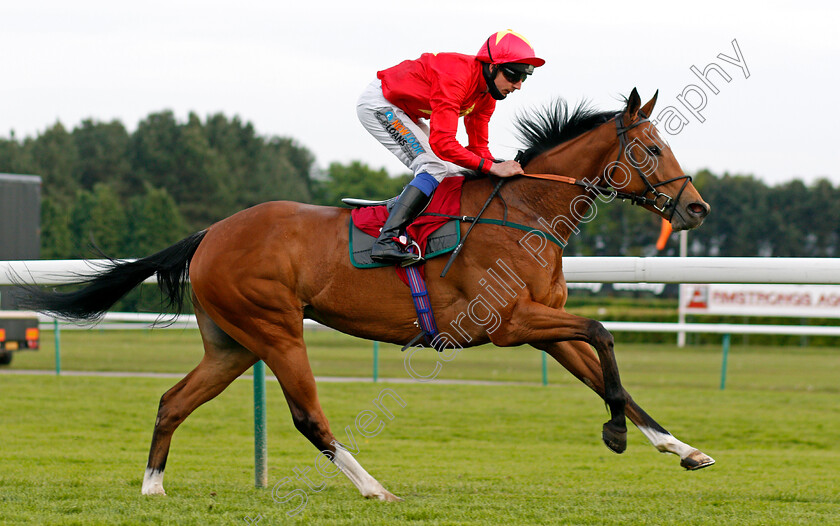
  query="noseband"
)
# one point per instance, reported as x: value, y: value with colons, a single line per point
x: 659, y: 200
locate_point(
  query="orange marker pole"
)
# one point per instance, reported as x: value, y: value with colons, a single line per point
x: 663, y: 234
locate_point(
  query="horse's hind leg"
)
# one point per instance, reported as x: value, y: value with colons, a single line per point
x: 580, y: 359
x: 224, y: 360
x: 283, y: 350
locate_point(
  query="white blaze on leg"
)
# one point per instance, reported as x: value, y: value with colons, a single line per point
x: 153, y: 483
x: 665, y: 442
x: 367, y: 485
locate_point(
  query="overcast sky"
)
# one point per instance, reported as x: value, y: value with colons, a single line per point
x: 296, y: 68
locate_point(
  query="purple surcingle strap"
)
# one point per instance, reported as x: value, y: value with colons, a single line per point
x: 421, y: 302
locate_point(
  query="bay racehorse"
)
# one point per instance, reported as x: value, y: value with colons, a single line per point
x: 259, y: 273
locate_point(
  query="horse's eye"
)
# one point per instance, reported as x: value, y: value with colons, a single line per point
x: 654, y: 150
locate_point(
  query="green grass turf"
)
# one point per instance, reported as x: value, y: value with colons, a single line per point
x: 334, y: 354
x: 74, y: 450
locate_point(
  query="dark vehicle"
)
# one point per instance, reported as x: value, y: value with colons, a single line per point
x: 18, y: 332
x: 20, y: 239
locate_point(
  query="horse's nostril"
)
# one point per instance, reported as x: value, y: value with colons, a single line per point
x: 698, y: 209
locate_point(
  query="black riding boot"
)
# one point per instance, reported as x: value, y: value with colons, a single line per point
x: 411, y: 202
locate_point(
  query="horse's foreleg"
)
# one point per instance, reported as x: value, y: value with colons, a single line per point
x: 224, y: 360
x: 583, y: 363
x: 534, y: 323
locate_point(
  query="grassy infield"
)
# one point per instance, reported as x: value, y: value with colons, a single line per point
x: 74, y: 448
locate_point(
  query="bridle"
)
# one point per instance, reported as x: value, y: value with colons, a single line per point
x: 658, y: 200
x: 658, y: 197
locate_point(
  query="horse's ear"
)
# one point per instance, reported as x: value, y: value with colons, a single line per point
x: 647, y: 109
x: 634, y: 102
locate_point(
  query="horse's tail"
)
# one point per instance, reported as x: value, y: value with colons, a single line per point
x: 100, y: 291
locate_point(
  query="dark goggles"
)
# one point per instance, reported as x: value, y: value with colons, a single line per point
x: 516, y: 72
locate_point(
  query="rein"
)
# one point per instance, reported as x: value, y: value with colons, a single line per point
x: 634, y: 198
x: 461, y: 244
x: 500, y: 222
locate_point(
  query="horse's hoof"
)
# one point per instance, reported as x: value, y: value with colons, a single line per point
x: 696, y: 460
x: 153, y: 490
x: 615, y: 438
x: 152, y: 482
x: 386, y: 496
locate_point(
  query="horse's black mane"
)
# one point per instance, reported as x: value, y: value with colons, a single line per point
x: 543, y: 129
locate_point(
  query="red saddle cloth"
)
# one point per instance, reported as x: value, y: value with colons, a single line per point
x: 446, y: 200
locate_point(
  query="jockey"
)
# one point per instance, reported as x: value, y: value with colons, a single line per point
x: 441, y: 87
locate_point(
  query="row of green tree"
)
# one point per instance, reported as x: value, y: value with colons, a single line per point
x: 134, y: 193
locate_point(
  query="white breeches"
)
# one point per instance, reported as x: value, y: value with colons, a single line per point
x: 408, y: 140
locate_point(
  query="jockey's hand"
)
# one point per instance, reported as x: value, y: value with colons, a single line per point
x: 506, y: 169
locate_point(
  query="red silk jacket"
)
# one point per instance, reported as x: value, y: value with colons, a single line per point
x: 444, y: 87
